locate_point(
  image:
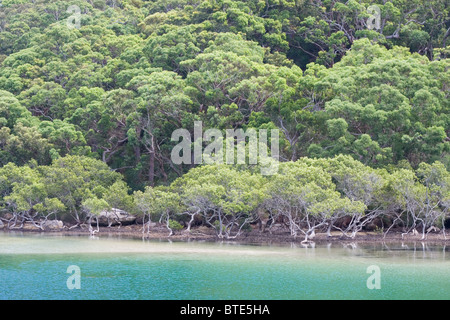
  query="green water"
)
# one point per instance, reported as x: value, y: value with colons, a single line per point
x: 35, y: 267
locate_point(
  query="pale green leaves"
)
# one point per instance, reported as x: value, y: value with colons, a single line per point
x: 95, y: 206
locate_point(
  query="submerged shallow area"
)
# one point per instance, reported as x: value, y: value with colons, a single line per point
x: 35, y: 266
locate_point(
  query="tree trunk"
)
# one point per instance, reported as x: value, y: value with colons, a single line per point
x: 168, y: 225
x: 329, y: 230
x: 151, y: 169
x: 91, y: 230
x: 144, y: 224
x: 188, y: 229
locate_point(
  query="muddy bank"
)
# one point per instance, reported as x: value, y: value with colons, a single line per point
x: 252, y: 236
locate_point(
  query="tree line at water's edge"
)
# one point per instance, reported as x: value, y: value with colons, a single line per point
x: 307, y: 196
x: 87, y: 112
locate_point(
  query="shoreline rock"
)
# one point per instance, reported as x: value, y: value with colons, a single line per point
x: 48, y: 226
x: 113, y: 217
x: 53, y: 225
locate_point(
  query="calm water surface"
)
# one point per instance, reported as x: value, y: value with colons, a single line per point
x: 35, y: 267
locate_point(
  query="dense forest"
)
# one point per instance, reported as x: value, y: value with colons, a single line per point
x: 91, y: 92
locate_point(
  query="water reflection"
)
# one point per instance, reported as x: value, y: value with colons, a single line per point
x: 379, y: 249
x: 119, y: 267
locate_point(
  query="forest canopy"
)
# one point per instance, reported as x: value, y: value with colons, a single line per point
x: 91, y: 92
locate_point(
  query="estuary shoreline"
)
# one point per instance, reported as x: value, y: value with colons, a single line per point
x: 251, y: 237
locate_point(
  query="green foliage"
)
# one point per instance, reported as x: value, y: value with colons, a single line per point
x: 175, y: 225
x: 95, y: 206
x: 383, y: 106
x: 223, y: 195
x: 86, y: 114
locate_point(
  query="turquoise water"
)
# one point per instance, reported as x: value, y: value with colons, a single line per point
x: 35, y: 267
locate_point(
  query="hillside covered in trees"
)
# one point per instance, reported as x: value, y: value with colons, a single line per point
x: 91, y: 92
